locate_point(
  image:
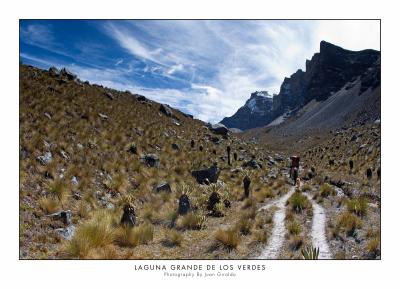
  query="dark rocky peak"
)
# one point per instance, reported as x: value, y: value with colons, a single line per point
x: 327, y: 72
x: 259, y: 102
x: 255, y: 113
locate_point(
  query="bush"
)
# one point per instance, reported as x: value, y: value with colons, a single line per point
x: 58, y: 189
x: 348, y: 222
x: 229, y: 238
x: 295, y: 243
x: 191, y: 221
x: 262, y: 194
x: 306, y: 187
x: 134, y: 236
x: 259, y: 236
x: 358, y: 206
x: 294, y: 228
x: 327, y: 190
x: 243, y: 225
x: 373, y: 246
x: 298, y: 202
x: 95, y: 233
x: 49, y: 205
x: 173, y: 238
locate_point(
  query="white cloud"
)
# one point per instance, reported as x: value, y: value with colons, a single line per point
x: 219, y: 63
x: 175, y: 68
x: 36, y: 34
x: 229, y: 60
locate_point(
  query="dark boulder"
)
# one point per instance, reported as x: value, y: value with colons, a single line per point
x: 175, y: 146
x: 369, y: 173
x: 151, y: 160
x: 205, y: 176
x: 163, y: 187
x: 110, y: 95
x: 219, y: 128
x: 141, y: 98
x: 133, y: 149
x: 252, y: 164
x: 215, y: 139
x: 64, y: 216
x: 67, y: 75
x: 166, y: 110
x: 53, y: 71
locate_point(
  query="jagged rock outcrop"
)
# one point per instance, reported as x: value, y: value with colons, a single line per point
x: 256, y: 112
x: 328, y: 71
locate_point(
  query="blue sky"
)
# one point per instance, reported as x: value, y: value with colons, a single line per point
x: 205, y: 68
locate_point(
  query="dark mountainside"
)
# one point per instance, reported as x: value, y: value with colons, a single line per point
x: 256, y: 112
x: 326, y: 73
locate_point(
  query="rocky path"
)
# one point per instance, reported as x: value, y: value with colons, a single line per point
x: 272, y: 250
x: 318, y: 234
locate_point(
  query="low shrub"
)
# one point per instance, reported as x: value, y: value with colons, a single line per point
x: 134, y: 236
x: 228, y: 238
x: 172, y: 238
x: 294, y: 228
x: 358, y: 206
x: 97, y: 232
x: 348, y: 222
x: 191, y: 221
x: 298, y: 202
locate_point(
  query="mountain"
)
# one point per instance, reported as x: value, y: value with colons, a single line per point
x: 256, y: 112
x: 327, y: 73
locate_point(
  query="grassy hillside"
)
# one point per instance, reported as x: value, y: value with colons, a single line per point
x: 93, y: 173
x: 82, y: 149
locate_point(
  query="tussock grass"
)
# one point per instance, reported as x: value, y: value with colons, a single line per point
x: 243, y: 225
x: 98, y: 232
x: 134, y: 236
x: 172, y: 238
x: 327, y: 190
x: 259, y: 236
x: 49, y: 205
x: 294, y: 228
x: 348, y: 222
x: 58, y: 189
x: 298, y: 202
x: 295, y: 242
x: 373, y: 246
x: 358, y: 206
x: 305, y: 188
x: 262, y: 194
x: 191, y: 221
x: 228, y: 238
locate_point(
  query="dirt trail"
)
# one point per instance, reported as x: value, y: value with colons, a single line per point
x: 318, y: 234
x: 272, y: 250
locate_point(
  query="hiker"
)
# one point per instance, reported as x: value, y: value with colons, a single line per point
x: 294, y: 168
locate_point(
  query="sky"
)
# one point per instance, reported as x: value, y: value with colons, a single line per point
x: 207, y: 68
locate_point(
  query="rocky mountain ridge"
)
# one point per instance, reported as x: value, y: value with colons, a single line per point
x: 256, y: 112
x: 326, y: 73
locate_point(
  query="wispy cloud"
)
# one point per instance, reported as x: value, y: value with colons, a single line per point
x: 206, y: 68
x: 37, y: 34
